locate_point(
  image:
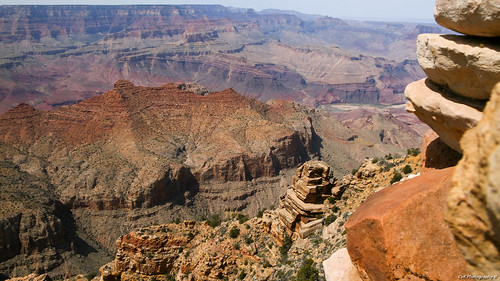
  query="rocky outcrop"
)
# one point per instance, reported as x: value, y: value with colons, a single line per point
x: 469, y: 66
x: 436, y: 154
x: 449, y: 115
x: 150, y: 136
x: 461, y: 64
x: 477, y: 18
x: 394, y: 232
x: 473, y: 203
x: 340, y: 267
x: 152, y: 251
x: 303, y: 202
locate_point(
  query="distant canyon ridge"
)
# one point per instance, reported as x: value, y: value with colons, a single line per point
x: 58, y: 55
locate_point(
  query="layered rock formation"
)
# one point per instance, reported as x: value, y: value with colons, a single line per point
x: 52, y: 56
x: 469, y: 66
x: 476, y: 18
x: 449, y: 101
x: 303, y: 202
x: 447, y: 114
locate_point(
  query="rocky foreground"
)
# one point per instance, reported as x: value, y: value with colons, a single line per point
x: 444, y: 224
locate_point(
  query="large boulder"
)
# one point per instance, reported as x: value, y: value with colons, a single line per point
x: 399, y: 233
x: 339, y: 267
x: 469, y: 66
x: 447, y: 114
x: 472, y: 17
x: 474, y: 202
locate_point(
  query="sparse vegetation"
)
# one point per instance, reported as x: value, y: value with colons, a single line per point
x: 261, y: 213
x: 248, y: 240
x: 214, y: 221
x: 242, y: 218
x: 328, y: 220
x: 375, y: 160
x: 413, y: 151
x: 407, y: 169
x: 242, y: 275
x: 335, y: 209
x: 285, y: 247
x: 388, y: 157
x: 234, y: 232
x: 307, y: 272
x: 91, y: 276
x: 397, y: 177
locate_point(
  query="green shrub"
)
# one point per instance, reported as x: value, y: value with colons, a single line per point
x: 413, y: 151
x: 407, y: 169
x: 353, y: 171
x: 234, y: 232
x: 214, y: 221
x: 388, y: 156
x: 242, y: 275
x: 331, y: 200
x: 242, y: 218
x: 248, y: 240
x: 374, y: 160
x: 266, y: 264
x: 397, y: 177
x: 261, y: 213
x: 307, y: 272
x: 328, y: 220
x: 285, y: 247
x: 335, y: 209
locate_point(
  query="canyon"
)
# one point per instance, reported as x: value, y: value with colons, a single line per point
x: 200, y: 142
x: 59, y: 55
x: 77, y: 177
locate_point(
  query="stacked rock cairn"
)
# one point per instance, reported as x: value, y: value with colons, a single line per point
x: 462, y: 70
x: 301, y: 210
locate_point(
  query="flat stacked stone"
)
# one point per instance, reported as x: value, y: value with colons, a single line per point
x: 462, y: 70
x: 471, y: 17
x: 303, y: 202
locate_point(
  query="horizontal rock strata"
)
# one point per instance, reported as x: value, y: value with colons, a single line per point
x: 469, y: 66
x: 303, y: 202
x: 447, y: 114
x: 472, y: 17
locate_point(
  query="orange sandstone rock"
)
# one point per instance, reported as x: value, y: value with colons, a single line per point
x: 400, y: 232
